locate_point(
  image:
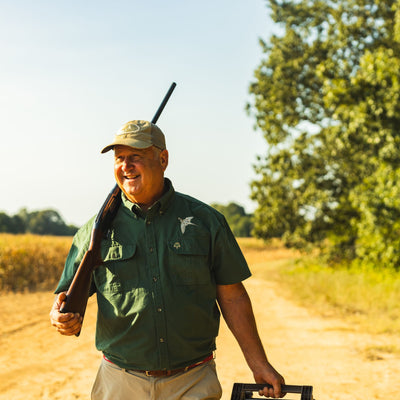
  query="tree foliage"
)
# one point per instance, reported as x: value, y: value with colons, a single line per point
x: 240, y: 222
x: 326, y: 97
x: 44, y: 222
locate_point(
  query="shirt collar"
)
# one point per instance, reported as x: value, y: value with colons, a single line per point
x: 160, y: 206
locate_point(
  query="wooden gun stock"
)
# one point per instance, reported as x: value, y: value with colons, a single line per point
x: 78, y: 292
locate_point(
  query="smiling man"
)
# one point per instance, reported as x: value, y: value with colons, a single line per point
x: 139, y: 173
x: 171, y: 266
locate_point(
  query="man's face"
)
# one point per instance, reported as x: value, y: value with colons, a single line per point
x: 140, y: 173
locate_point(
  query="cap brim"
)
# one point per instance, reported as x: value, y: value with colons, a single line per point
x: 135, y: 144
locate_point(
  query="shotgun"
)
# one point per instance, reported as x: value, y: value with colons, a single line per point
x: 78, y: 292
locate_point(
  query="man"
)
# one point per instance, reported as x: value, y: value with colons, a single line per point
x: 169, y: 262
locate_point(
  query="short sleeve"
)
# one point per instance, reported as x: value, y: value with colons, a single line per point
x: 80, y: 245
x: 228, y: 262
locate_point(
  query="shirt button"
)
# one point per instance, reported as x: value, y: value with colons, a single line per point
x: 159, y: 309
x: 162, y: 340
x: 148, y: 222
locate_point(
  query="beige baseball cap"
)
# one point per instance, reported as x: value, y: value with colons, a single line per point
x: 138, y: 134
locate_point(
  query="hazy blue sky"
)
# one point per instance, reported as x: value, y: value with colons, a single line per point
x: 72, y: 72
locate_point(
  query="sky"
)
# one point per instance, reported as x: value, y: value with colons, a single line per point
x: 71, y: 73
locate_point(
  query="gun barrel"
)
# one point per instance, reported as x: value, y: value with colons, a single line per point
x: 163, y: 103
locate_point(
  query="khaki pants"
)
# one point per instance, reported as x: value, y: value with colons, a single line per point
x: 114, y: 383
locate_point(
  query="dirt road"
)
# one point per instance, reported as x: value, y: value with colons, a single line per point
x: 38, y: 363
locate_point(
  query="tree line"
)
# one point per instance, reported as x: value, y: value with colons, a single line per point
x: 44, y: 222
x: 326, y: 98
x: 49, y: 222
x: 239, y: 221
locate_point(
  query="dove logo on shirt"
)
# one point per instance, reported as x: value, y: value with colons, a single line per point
x: 185, y: 222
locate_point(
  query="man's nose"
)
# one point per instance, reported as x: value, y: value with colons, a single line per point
x: 126, y: 164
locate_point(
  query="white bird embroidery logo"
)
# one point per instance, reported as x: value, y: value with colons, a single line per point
x: 185, y: 222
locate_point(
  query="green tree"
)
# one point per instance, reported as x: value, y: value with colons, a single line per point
x: 11, y: 224
x: 5, y: 222
x: 325, y: 96
x: 17, y: 224
x: 48, y: 222
x: 240, y: 222
x: 44, y: 222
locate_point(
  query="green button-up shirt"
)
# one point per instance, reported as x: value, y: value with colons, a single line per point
x: 156, y: 290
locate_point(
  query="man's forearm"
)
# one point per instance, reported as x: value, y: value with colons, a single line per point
x: 236, y: 308
x: 237, y: 311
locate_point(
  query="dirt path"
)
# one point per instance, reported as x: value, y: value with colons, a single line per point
x: 327, y: 354
x: 38, y: 363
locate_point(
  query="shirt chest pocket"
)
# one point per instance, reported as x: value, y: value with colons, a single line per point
x: 118, y: 252
x: 189, y: 261
x: 119, y: 270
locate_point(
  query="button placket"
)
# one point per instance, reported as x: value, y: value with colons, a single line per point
x: 154, y: 271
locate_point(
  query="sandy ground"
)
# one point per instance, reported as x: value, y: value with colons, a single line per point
x: 340, y: 363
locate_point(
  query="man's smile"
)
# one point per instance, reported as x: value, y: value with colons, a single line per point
x: 131, y: 177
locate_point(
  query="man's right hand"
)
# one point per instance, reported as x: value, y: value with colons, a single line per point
x: 66, y: 323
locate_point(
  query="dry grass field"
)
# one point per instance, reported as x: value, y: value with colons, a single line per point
x: 31, y: 262
x: 338, y: 360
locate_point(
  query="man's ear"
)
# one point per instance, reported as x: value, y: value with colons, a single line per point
x: 164, y: 159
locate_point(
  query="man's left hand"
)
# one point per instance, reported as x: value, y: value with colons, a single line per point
x: 268, y: 374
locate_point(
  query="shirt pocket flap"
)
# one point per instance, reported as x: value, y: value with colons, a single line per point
x: 118, y: 252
